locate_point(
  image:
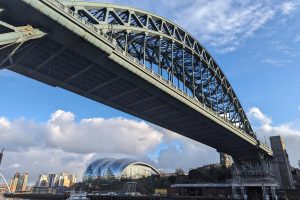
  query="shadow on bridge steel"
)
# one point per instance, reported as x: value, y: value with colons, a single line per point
x: 134, y: 61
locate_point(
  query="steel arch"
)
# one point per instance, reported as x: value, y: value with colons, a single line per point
x: 177, y: 56
x: 2, y: 177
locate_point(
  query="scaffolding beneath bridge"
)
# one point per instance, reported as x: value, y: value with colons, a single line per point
x: 253, y: 179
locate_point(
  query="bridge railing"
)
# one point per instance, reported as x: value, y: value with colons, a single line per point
x: 110, y: 40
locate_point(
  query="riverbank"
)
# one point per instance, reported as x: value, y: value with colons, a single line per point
x: 36, y: 196
x: 63, y: 197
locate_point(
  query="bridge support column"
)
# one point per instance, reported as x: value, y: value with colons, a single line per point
x: 244, y: 193
x: 239, y: 193
x: 233, y: 193
x: 273, y: 193
x: 265, y: 193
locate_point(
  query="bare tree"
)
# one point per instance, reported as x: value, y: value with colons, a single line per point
x: 179, y: 171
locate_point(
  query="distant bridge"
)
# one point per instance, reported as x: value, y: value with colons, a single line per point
x: 1, y: 175
x: 131, y: 60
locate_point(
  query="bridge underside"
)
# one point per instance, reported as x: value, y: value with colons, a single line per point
x: 63, y: 59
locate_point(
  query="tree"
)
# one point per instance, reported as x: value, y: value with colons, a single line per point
x: 179, y: 171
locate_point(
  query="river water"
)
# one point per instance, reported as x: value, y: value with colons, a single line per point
x: 3, y: 198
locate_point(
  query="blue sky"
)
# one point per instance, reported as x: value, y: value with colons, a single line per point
x: 256, y: 43
x: 263, y: 69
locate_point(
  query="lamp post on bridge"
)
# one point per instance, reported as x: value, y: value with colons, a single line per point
x: 111, y: 29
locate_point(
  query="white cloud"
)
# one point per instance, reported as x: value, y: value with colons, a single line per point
x: 65, y: 144
x: 288, y: 7
x: 186, y: 155
x: 20, y: 134
x: 225, y: 24
x: 289, y: 131
x: 4, y: 123
x: 298, y: 107
x: 220, y: 25
x: 256, y: 114
x: 276, y: 62
x: 114, y: 136
x: 15, y: 165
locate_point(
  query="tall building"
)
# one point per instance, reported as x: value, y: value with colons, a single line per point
x: 42, y: 181
x: 73, y: 179
x: 52, y: 178
x: 14, y: 182
x: 225, y: 160
x: 281, y: 163
x: 22, y: 183
x: 66, y: 180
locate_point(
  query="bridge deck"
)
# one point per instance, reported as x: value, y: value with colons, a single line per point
x: 76, y: 59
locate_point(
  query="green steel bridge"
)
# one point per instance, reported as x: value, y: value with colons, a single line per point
x: 131, y: 60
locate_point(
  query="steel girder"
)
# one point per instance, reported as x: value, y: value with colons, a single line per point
x: 176, y: 55
x: 12, y: 39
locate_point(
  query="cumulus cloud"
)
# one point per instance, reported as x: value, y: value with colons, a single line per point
x: 289, y: 131
x: 114, y: 136
x: 20, y: 134
x: 187, y: 154
x: 257, y: 114
x: 63, y: 132
x: 4, y: 123
x: 64, y: 144
x: 290, y: 6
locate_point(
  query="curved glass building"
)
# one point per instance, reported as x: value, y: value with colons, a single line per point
x: 117, y: 169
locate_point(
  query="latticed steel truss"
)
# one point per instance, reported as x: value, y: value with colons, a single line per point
x: 169, y: 50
